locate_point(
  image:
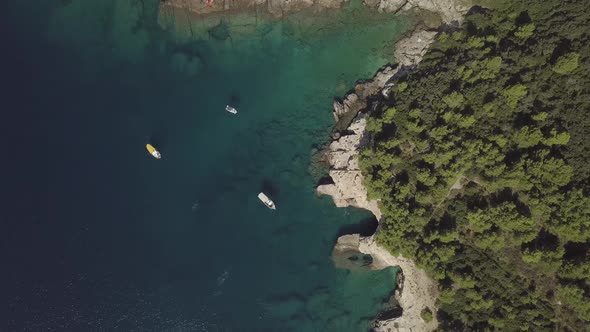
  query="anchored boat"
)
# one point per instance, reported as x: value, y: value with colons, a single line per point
x: 267, y: 201
x: 155, y: 153
x: 231, y: 109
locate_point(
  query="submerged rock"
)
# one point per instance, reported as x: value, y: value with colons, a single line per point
x: 388, y: 315
x: 414, y: 293
x: 347, y: 256
x: 286, y: 306
x: 449, y: 10
x: 346, y: 188
x: 185, y: 63
x: 277, y: 8
x: 345, y: 111
x: 194, y: 20
x: 415, y: 290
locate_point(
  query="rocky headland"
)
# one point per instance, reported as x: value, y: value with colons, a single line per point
x: 416, y: 293
x: 226, y: 19
x: 449, y: 10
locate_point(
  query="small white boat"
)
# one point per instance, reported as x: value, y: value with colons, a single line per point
x: 267, y: 201
x: 231, y: 109
x: 155, y: 153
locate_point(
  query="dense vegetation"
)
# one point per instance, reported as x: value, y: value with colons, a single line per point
x: 481, y: 164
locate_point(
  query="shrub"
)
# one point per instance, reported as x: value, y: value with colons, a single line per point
x: 567, y: 63
x: 426, y: 315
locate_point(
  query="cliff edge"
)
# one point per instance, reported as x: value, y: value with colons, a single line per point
x: 416, y: 293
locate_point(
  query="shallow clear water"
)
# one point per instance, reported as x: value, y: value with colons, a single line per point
x: 104, y: 237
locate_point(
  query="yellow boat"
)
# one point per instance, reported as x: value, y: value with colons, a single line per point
x: 153, y: 151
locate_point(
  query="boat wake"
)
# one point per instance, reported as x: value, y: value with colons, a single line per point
x: 220, y: 281
x: 222, y: 278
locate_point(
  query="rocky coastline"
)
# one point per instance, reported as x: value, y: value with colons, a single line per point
x: 416, y: 293
x: 226, y: 19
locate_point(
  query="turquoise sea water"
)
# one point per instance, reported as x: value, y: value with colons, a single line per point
x: 100, y: 236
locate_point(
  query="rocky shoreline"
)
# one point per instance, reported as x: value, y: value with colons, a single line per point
x: 416, y: 293
x: 449, y: 10
x: 226, y: 19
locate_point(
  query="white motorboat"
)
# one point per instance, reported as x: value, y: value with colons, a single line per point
x: 155, y: 153
x: 231, y: 109
x: 267, y: 201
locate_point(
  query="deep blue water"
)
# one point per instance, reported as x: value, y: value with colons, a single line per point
x: 97, y: 235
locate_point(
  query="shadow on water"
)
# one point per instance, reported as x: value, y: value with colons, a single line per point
x: 269, y: 189
x: 365, y: 227
x: 220, y: 32
x: 159, y: 139
x: 234, y: 99
x: 325, y: 180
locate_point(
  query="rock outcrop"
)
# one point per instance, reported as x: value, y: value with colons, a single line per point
x: 347, y: 188
x: 346, y: 254
x: 276, y: 8
x: 197, y: 20
x: 416, y: 292
x: 228, y: 21
x: 409, y: 51
x: 449, y: 10
x: 193, y: 20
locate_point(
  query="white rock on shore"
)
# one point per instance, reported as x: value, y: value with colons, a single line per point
x: 449, y: 10
x: 348, y: 189
x: 416, y: 291
x: 276, y: 8
x: 191, y: 20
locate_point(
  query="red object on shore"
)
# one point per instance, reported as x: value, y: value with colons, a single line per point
x: 209, y: 3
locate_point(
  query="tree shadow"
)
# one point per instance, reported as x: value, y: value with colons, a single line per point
x: 365, y: 227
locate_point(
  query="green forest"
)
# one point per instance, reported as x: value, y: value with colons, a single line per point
x: 480, y: 161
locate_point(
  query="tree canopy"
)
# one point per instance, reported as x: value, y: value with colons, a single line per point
x: 480, y: 161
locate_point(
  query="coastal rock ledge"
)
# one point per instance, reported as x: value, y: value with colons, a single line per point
x: 416, y: 292
x: 201, y: 20
x: 348, y: 189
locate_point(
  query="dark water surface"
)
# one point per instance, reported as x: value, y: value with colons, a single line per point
x: 97, y: 235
